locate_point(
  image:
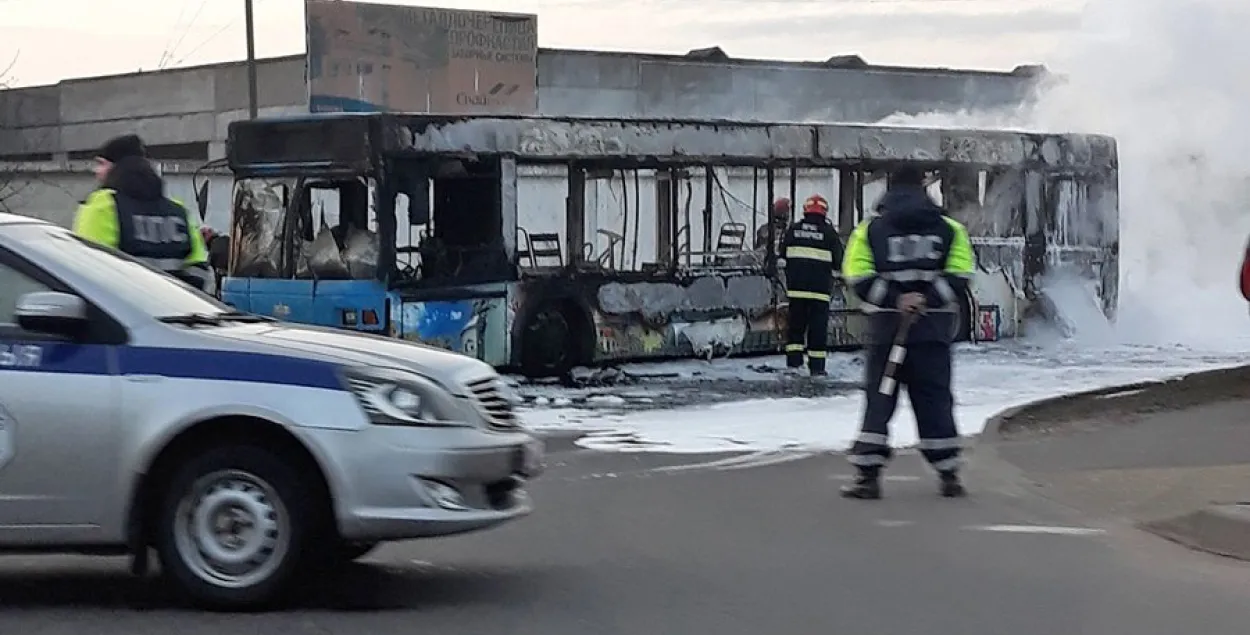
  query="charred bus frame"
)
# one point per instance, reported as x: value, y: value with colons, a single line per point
x: 1033, y: 202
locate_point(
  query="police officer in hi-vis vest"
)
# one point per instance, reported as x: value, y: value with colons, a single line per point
x: 130, y: 212
x: 911, y: 258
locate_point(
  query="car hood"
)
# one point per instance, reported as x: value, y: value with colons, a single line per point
x: 452, y: 370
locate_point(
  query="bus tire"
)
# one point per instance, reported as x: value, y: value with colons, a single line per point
x: 552, y: 342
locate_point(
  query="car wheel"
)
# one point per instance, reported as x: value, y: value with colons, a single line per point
x: 234, y: 527
x: 352, y: 551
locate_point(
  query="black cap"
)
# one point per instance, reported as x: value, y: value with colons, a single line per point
x: 906, y: 175
x: 122, y: 147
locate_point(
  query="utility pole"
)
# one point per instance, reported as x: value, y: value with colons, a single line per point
x: 251, y: 60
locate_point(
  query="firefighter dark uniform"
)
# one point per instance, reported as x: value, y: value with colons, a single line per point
x: 131, y: 213
x: 811, y: 250
x: 912, y: 247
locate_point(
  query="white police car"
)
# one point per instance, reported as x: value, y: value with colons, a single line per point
x: 136, y: 413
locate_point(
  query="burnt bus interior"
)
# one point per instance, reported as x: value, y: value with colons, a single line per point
x: 335, y: 198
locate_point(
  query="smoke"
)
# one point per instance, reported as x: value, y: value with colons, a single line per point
x: 1167, y: 80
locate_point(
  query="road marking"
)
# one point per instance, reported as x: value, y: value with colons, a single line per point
x: 784, y: 457
x: 895, y: 523
x: 732, y: 460
x: 739, y: 462
x: 1038, y: 529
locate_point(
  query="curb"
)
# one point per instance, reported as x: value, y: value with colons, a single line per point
x: 1223, y: 530
x: 994, y: 426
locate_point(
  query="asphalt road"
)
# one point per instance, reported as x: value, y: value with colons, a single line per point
x: 653, y: 544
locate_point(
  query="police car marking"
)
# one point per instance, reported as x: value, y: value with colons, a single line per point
x: 175, y: 363
x: 20, y: 356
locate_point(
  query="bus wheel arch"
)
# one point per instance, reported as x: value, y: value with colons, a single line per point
x: 557, y: 335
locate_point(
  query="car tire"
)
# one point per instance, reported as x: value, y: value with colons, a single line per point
x: 353, y: 551
x: 235, y: 528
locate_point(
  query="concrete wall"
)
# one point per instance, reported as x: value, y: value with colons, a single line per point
x: 179, y: 111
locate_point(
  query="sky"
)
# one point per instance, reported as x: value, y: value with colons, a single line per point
x: 51, y: 40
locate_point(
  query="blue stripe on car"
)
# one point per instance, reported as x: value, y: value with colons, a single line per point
x: 179, y: 363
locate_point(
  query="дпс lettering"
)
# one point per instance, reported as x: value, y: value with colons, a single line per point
x: 20, y: 356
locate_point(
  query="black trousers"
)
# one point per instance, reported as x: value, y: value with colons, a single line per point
x: 807, y: 331
x: 926, y: 373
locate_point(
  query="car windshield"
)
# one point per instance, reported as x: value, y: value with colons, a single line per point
x: 135, y: 283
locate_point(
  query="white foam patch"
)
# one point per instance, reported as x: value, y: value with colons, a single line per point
x: 988, y: 379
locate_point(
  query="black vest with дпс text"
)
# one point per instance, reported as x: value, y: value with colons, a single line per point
x: 153, y: 230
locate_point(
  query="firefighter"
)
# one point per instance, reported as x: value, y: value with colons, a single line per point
x: 130, y: 212
x: 912, y: 258
x: 778, y: 219
x: 810, y: 252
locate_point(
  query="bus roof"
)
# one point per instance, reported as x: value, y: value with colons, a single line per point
x: 539, y: 139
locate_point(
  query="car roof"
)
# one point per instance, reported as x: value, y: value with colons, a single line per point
x: 15, y: 219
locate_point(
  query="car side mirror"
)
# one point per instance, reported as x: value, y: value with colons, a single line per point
x: 51, y: 312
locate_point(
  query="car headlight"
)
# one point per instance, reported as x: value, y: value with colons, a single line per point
x: 398, y: 398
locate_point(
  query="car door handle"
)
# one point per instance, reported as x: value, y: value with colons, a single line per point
x: 144, y: 379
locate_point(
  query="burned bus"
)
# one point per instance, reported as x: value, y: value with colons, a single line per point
x: 542, y: 243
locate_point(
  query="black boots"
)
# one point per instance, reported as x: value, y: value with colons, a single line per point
x: 864, y: 488
x: 868, y: 487
x: 950, y: 486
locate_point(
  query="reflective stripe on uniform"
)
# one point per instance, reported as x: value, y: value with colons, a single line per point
x: 872, y: 438
x: 944, y: 289
x: 816, y: 354
x: 168, y: 265
x: 911, y: 275
x: 952, y: 443
x: 867, y: 460
x: 808, y: 295
x: 795, y: 348
x: 877, y: 292
x: 200, y: 274
x: 809, y: 253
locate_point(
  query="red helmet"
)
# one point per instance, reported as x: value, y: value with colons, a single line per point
x: 781, y: 207
x: 816, y: 204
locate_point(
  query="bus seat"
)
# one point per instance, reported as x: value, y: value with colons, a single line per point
x: 541, y: 250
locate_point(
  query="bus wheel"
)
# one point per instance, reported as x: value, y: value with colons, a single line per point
x: 547, y: 347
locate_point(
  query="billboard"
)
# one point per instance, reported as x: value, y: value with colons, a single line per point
x: 366, y: 57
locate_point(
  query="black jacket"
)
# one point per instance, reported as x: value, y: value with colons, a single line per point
x: 911, y: 247
x: 812, y: 251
